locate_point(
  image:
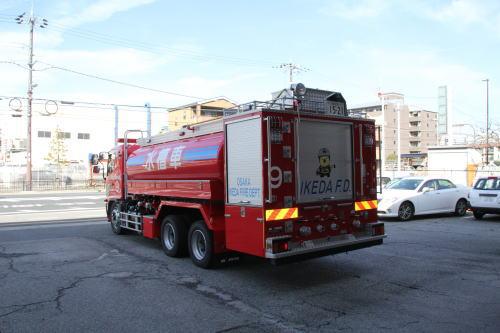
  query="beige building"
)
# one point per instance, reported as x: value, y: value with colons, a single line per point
x: 405, y: 129
x: 197, y: 112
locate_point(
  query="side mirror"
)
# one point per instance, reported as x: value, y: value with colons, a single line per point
x: 427, y: 189
x: 94, y: 159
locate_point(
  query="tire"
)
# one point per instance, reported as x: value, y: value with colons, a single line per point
x: 201, y: 245
x: 115, y: 219
x: 173, y: 236
x: 461, y: 207
x: 477, y: 214
x: 406, y: 211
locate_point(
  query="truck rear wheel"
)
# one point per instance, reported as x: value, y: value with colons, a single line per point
x: 174, y: 236
x: 200, y: 245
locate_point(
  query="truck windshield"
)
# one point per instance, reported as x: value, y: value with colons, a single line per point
x: 405, y: 184
x: 488, y: 184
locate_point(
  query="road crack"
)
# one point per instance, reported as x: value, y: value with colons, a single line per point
x: 10, y: 257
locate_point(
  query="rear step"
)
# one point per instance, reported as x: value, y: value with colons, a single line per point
x: 131, y: 221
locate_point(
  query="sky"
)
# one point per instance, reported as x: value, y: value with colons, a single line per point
x: 204, y: 49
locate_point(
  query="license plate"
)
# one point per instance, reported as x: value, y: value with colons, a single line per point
x: 308, y: 244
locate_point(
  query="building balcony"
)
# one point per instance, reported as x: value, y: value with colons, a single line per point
x: 415, y: 134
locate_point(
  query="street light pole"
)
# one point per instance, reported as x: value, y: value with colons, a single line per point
x: 473, y: 131
x: 487, y: 118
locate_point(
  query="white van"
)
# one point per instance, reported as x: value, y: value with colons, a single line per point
x: 484, y: 197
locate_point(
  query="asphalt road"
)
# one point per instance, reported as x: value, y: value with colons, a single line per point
x: 440, y: 274
x: 50, y: 206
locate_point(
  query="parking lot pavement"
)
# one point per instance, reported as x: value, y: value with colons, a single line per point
x: 440, y: 273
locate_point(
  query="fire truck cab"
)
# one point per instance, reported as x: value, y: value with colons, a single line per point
x: 287, y: 179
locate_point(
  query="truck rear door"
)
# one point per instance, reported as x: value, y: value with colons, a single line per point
x: 244, y: 185
x: 324, y: 161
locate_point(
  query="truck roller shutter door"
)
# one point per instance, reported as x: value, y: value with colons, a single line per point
x: 244, y: 162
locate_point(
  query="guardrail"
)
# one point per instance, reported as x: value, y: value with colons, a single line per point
x: 51, y: 185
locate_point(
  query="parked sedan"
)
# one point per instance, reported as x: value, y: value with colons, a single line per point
x: 422, y: 195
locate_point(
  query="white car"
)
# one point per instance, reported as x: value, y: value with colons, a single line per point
x: 422, y: 195
x: 484, y: 197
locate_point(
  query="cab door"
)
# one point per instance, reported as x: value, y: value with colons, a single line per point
x: 244, y: 185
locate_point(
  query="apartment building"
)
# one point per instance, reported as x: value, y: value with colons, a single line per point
x: 197, y: 112
x: 405, y: 129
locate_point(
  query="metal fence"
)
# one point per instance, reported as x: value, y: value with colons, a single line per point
x: 51, y: 185
x: 459, y: 176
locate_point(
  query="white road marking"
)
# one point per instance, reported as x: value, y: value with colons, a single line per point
x: 23, y: 199
x: 75, y: 203
x: 26, y: 211
x: 22, y: 206
x: 50, y: 225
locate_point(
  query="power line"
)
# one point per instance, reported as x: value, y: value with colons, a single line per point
x: 157, y: 49
x: 71, y: 102
x: 120, y: 82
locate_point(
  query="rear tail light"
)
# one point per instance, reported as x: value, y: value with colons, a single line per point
x: 378, y: 229
x: 280, y: 246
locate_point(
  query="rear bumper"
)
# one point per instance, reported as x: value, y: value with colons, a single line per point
x: 325, y: 247
x: 487, y: 210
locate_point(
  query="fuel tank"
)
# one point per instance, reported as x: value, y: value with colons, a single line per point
x: 196, y: 158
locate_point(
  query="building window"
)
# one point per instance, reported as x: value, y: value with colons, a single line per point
x: 84, y: 136
x: 394, y: 142
x: 63, y: 135
x: 44, y: 134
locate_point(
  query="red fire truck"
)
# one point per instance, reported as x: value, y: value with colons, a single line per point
x: 285, y: 180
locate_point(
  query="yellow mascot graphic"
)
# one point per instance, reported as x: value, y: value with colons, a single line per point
x: 325, y: 167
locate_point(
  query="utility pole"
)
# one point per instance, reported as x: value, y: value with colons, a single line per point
x: 398, y: 107
x: 31, y: 21
x: 382, y: 132
x: 291, y: 68
x: 116, y: 125
x: 487, y: 118
x: 148, y: 119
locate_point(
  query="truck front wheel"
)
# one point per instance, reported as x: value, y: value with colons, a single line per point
x: 200, y: 245
x: 174, y: 236
x: 115, y: 219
